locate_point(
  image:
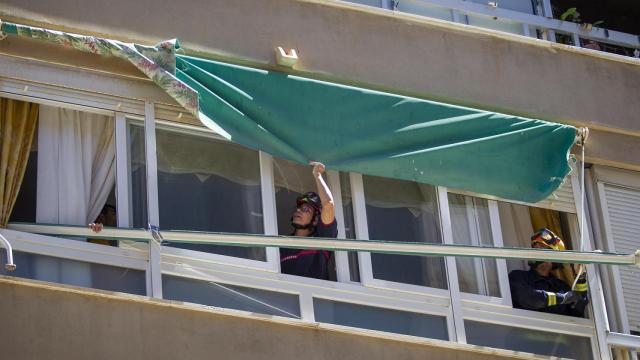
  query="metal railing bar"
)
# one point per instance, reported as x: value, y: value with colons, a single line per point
x: 386, y: 247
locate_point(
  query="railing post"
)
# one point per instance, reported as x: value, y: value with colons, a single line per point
x: 459, y: 334
x: 154, y: 271
x: 576, y: 40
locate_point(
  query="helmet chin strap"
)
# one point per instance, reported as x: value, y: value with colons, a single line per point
x: 534, y: 264
x: 309, y: 226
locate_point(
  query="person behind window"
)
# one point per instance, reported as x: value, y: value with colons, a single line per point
x: 313, y: 217
x: 538, y: 289
x: 107, y: 217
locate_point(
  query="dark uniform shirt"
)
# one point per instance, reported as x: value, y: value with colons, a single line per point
x: 531, y: 291
x: 310, y: 263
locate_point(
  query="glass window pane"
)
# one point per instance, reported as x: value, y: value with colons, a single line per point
x: 374, y: 318
x: 138, y: 176
x: 291, y: 180
x: 375, y: 3
x: 471, y: 225
x: 528, y: 340
x: 423, y: 8
x: 525, y: 6
x: 230, y: 296
x: 489, y: 23
x: 349, y: 224
x: 210, y: 185
x: 406, y: 211
x: 77, y: 273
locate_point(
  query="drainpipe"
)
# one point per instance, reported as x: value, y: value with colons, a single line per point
x: 10, y: 266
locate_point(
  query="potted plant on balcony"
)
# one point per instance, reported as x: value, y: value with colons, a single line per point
x: 573, y: 15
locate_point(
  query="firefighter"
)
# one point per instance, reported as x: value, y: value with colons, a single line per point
x: 540, y: 290
x: 313, y: 217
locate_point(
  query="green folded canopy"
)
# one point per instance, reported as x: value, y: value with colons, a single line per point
x: 376, y: 133
x: 348, y: 128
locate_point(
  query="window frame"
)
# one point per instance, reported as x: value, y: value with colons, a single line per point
x: 501, y: 264
x: 272, y: 262
x: 364, y: 258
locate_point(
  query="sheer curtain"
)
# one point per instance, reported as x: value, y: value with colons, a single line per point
x: 471, y: 225
x: 76, y: 172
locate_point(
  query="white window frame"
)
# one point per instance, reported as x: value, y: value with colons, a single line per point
x: 268, y: 200
x: 364, y: 258
x: 501, y: 264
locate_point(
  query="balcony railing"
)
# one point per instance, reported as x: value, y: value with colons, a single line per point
x: 265, y: 291
x: 382, y: 247
x: 526, y: 24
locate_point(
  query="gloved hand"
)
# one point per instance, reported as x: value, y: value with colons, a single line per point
x: 585, y: 298
x: 569, y: 297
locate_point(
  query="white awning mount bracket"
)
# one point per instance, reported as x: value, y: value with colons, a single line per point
x: 284, y: 58
x: 582, y: 134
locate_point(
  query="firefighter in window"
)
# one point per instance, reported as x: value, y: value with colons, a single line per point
x: 540, y: 290
x: 312, y: 217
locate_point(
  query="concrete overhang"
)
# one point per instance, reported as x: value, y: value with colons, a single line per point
x: 50, y: 321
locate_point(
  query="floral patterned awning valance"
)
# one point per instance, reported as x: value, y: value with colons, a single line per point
x: 157, y: 62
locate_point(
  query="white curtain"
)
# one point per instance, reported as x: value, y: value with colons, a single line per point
x: 471, y: 225
x: 76, y: 172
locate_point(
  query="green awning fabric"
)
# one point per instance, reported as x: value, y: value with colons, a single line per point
x: 376, y: 133
x: 348, y: 128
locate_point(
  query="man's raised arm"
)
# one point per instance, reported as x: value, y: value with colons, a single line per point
x: 327, y: 216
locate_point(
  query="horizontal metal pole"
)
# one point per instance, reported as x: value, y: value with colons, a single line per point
x: 623, y: 340
x: 383, y: 247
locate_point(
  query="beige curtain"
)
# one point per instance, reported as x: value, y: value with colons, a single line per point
x: 17, y: 126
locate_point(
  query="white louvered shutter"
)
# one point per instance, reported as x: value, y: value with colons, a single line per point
x: 560, y: 200
x: 623, y: 208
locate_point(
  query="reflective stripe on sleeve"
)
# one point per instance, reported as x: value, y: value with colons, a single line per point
x: 581, y: 287
x: 551, y: 299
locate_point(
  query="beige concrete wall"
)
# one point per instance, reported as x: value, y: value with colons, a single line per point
x: 389, y: 51
x: 41, y: 321
x: 374, y: 48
